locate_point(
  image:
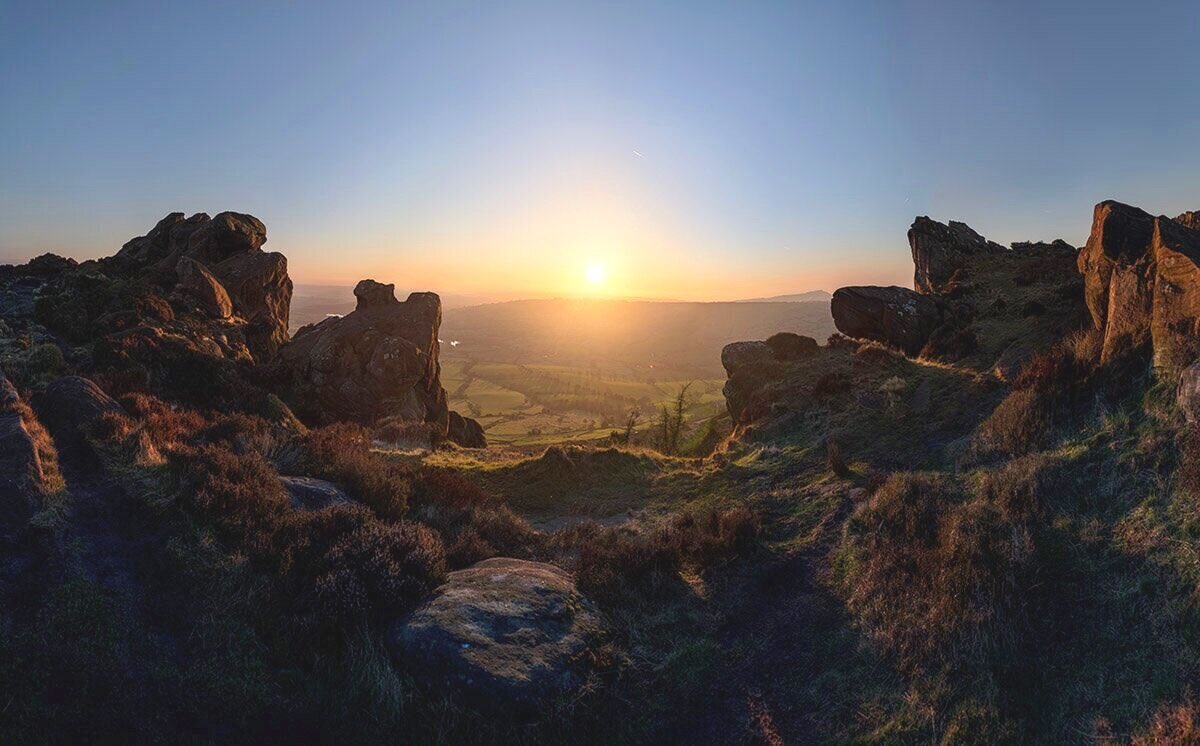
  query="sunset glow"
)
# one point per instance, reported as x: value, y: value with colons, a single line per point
x: 595, y: 274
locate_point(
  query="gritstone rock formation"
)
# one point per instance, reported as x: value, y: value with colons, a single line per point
x: 1142, y: 284
x: 972, y: 297
x: 377, y: 362
x: 939, y: 250
x: 218, y: 266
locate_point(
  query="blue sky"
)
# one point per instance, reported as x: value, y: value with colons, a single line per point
x: 696, y: 150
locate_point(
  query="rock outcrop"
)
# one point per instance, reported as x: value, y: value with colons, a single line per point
x: 893, y: 315
x: 503, y: 632
x: 972, y: 297
x: 379, y: 361
x: 1142, y: 284
x: 939, y: 250
x: 217, y: 266
x: 70, y: 404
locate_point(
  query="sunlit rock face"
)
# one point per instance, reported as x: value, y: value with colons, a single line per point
x: 1142, y: 284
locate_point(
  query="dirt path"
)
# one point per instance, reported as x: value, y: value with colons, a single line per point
x: 106, y: 542
x: 780, y: 629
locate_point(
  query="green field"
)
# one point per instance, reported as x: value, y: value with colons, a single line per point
x: 541, y: 404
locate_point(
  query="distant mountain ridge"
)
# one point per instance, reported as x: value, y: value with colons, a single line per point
x: 811, y: 296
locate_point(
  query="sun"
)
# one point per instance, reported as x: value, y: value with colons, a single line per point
x: 595, y: 273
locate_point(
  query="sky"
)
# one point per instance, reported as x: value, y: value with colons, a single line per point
x: 665, y: 150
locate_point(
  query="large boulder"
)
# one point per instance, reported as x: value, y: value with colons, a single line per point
x: 940, y: 250
x: 70, y: 404
x: 379, y: 361
x: 261, y: 292
x: 893, y: 315
x: 465, y: 431
x: 197, y: 287
x: 750, y: 366
x: 502, y: 632
x: 1142, y: 284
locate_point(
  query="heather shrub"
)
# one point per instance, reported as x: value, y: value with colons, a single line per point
x: 951, y: 343
x: 46, y: 359
x: 873, y: 354
x: 240, y: 493
x: 1052, y: 388
x: 342, y: 453
x: 831, y: 385
x: 474, y: 523
x: 1177, y: 724
x: 618, y: 566
x: 167, y: 425
x: 381, y: 569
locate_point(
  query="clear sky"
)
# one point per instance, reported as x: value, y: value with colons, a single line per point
x: 686, y: 150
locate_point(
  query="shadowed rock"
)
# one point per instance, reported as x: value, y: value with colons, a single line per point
x: 377, y: 362
x: 70, y: 404
x: 198, y: 286
x: 788, y: 346
x: 370, y: 294
x: 465, y: 431
x: 502, y: 632
x: 893, y: 315
x: 940, y: 250
x: 307, y: 493
x: 218, y: 266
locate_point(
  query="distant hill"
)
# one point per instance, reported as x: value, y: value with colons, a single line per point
x: 812, y: 296
x: 626, y: 336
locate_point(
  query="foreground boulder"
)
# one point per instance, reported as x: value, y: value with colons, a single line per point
x: 71, y: 403
x: 749, y: 367
x: 379, y: 361
x: 1142, y: 284
x: 502, y: 632
x: 893, y: 315
x: 940, y: 250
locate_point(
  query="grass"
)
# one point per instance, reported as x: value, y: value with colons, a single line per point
x: 529, y: 405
